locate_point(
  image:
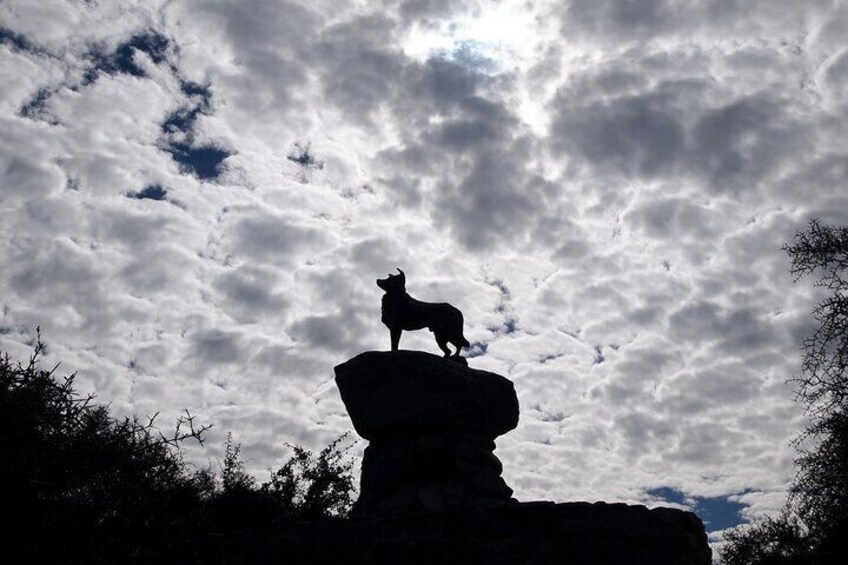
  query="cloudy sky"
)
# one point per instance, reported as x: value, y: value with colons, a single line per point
x: 196, y: 197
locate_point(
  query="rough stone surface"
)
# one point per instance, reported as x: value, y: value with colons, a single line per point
x: 431, y: 423
x: 577, y: 533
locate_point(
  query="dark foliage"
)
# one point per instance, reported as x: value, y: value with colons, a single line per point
x: 820, y: 492
x: 83, y: 487
x: 769, y: 541
x: 823, y: 251
x: 310, y: 486
x: 813, y: 527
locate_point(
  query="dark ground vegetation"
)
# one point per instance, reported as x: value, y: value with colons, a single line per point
x: 79, y: 486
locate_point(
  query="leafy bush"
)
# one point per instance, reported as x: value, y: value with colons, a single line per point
x: 309, y: 487
x: 768, y: 541
x: 83, y: 487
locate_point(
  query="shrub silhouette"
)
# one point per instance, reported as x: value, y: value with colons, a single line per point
x: 813, y: 526
x: 306, y: 487
x: 83, y: 487
x: 309, y: 487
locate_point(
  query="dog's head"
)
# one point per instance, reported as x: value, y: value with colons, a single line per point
x: 393, y: 283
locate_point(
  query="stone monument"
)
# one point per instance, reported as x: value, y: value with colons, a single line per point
x: 431, y: 424
x: 431, y: 489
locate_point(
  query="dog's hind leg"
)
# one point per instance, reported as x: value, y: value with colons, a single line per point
x: 395, y: 335
x: 442, y: 342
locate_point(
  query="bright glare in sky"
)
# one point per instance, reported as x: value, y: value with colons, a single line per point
x: 501, y: 33
x: 501, y: 37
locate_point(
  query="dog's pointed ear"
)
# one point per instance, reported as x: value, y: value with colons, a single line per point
x: 401, y: 272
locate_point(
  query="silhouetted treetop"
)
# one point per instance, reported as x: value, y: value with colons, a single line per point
x: 823, y: 251
x: 813, y: 526
x: 83, y: 487
x: 821, y: 248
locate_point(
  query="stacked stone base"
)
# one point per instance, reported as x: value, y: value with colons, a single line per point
x: 431, y: 424
x: 404, y: 474
x: 576, y: 533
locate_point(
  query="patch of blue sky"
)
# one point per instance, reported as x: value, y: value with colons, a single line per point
x: 717, y: 513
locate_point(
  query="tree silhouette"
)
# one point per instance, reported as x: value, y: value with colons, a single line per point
x: 813, y: 527
x: 83, y: 487
x: 769, y: 541
x: 821, y: 486
x: 823, y: 251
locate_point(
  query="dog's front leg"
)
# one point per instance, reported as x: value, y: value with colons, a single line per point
x: 395, y: 338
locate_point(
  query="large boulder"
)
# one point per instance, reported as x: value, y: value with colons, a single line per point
x: 389, y: 392
x: 431, y: 423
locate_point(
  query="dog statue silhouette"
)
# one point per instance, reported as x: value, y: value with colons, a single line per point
x: 402, y: 312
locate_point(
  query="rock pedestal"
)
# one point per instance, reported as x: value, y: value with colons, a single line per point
x: 431, y: 488
x: 431, y: 425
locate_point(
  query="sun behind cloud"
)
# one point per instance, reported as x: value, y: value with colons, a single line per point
x: 502, y: 35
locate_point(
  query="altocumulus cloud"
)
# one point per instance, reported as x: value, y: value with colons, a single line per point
x: 196, y: 198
